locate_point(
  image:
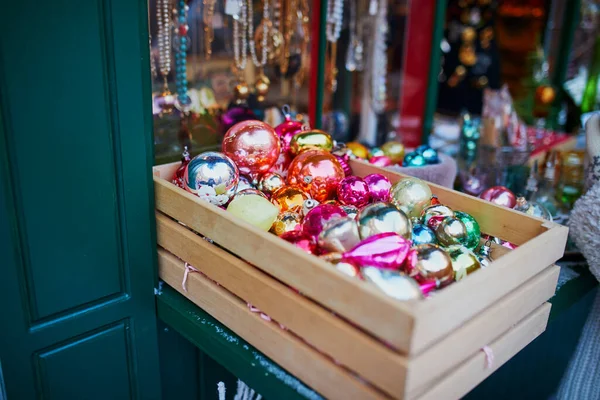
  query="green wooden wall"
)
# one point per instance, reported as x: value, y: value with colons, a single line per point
x: 76, y: 204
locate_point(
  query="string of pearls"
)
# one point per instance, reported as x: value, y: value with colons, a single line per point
x: 240, y: 60
x: 163, y: 17
x: 379, y: 70
x: 335, y: 15
x: 265, y: 36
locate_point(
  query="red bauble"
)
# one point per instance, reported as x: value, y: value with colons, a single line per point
x: 500, y: 195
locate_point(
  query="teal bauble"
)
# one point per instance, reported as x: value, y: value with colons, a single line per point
x: 422, y: 234
x: 473, y: 230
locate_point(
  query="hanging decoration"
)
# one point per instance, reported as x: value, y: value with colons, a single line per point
x: 183, y: 101
x: 165, y: 101
x: 335, y: 15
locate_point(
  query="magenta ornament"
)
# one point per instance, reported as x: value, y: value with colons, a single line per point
x: 286, y: 131
x: 353, y: 191
x: 379, y: 187
x: 316, y: 218
x: 343, y: 159
x: 385, y: 250
x: 500, y: 195
x: 300, y: 240
x: 381, y: 161
x: 234, y: 115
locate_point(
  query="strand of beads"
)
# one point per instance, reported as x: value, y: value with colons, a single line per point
x: 183, y: 101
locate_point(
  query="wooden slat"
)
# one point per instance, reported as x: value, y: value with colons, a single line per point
x: 352, y: 299
x: 361, y: 353
x: 454, y: 305
x: 479, y: 331
x: 318, y: 326
x: 290, y: 352
x: 494, y: 220
x: 472, y: 372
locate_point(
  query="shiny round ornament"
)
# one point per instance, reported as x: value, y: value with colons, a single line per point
x: 393, y: 283
x: 315, y: 219
x: 339, y: 235
x: 248, y: 192
x: 434, y: 214
x: 262, y: 87
x: 286, y: 132
x: 289, y: 198
x: 430, y: 156
x: 411, y: 195
x: 241, y: 92
x: 379, y: 187
x: 381, y: 161
x: 212, y: 176
x: 301, y: 240
x: 179, y: 178
x: 253, y: 146
x: 533, y: 208
x: 380, y: 217
x: 473, y: 230
x: 384, y: 250
x: 282, y: 164
x: 353, y: 191
x: 311, y: 140
x: 236, y: 115
x: 243, y: 184
x: 499, y: 195
x: 309, y: 205
x: 343, y: 160
x: 394, y: 151
x: 430, y: 262
x: 414, y: 160
x: 358, y: 150
x: 376, y: 151
x: 422, y: 234
x: 350, y: 210
x: 254, y: 209
x: 464, y: 261
x: 270, y: 182
x: 286, y: 222
x: 317, y: 172
x: 451, y: 231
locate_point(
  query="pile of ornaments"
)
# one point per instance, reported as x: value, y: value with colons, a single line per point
x: 292, y: 182
x: 393, y: 153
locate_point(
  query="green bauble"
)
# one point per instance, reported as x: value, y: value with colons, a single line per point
x: 473, y: 231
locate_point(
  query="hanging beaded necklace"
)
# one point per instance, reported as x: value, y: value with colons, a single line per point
x: 165, y: 100
x: 183, y: 101
x: 335, y: 15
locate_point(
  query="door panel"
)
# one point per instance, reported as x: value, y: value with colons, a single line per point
x: 77, y: 251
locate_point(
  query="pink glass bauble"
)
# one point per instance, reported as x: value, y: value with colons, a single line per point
x: 286, y: 131
x: 253, y: 146
x: 380, y: 161
x: 282, y: 164
x: 385, y: 250
x: 178, y: 179
x: 500, y: 195
x: 315, y: 219
x: 343, y: 160
x: 300, y: 240
x: 317, y: 172
x: 379, y: 187
x: 235, y: 115
x: 353, y: 191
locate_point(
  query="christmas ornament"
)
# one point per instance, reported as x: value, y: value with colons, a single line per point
x: 473, y: 231
x: 430, y: 262
x: 411, y: 195
x: 383, y: 217
x: 343, y: 160
x: 253, y: 146
x: 317, y: 172
x: 353, y: 191
x: 282, y: 164
x: 286, y: 132
x: 434, y: 200
x: 165, y: 101
x: 270, y: 182
x: 348, y: 269
x: 358, y: 149
x: 247, y: 192
x: 414, y: 159
x: 315, y: 219
x: 286, y: 221
x: 179, y: 178
x: 422, y: 234
x: 254, y: 209
x: 308, y: 205
x: 234, y: 115
x: 376, y: 151
x: 339, y: 235
x: 532, y: 208
x: 385, y: 250
x: 464, y: 261
x: 289, y: 198
x: 485, y: 254
x: 350, y: 210
x: 393, y: 283
x: 379, y: 187
x: 311, y: 140
x: 300, y: 240
x: 181, y: 42
x: 394, y: 151
x: 243, y: 184
x: 434, y: 214
x: 451, y: 231
x: 381, y: 161
x: 499, y: 195
x: 429, y: 155
x: 212, y: 176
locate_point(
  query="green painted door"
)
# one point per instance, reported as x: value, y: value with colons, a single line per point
x: 77, y: 257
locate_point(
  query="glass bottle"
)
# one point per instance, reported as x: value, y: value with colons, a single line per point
x: 546, y: 190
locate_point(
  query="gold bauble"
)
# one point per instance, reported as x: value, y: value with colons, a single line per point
x: 452, y: 231
x: 468, y: 34
x: 464, y: 261
x: 289, y: 198
x: 410, y: 195
x: 433, y: 263
x: 339, y: 235
x: 314, y: 139
x: 241, y: 91
x: 270, y: 182
x: 394, y: 151
x: 286, y: 221
x: 358, y: 149
x: 262, y: 87
x: 383, y: 217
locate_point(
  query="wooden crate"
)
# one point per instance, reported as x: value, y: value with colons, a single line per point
x: 427, y: 338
